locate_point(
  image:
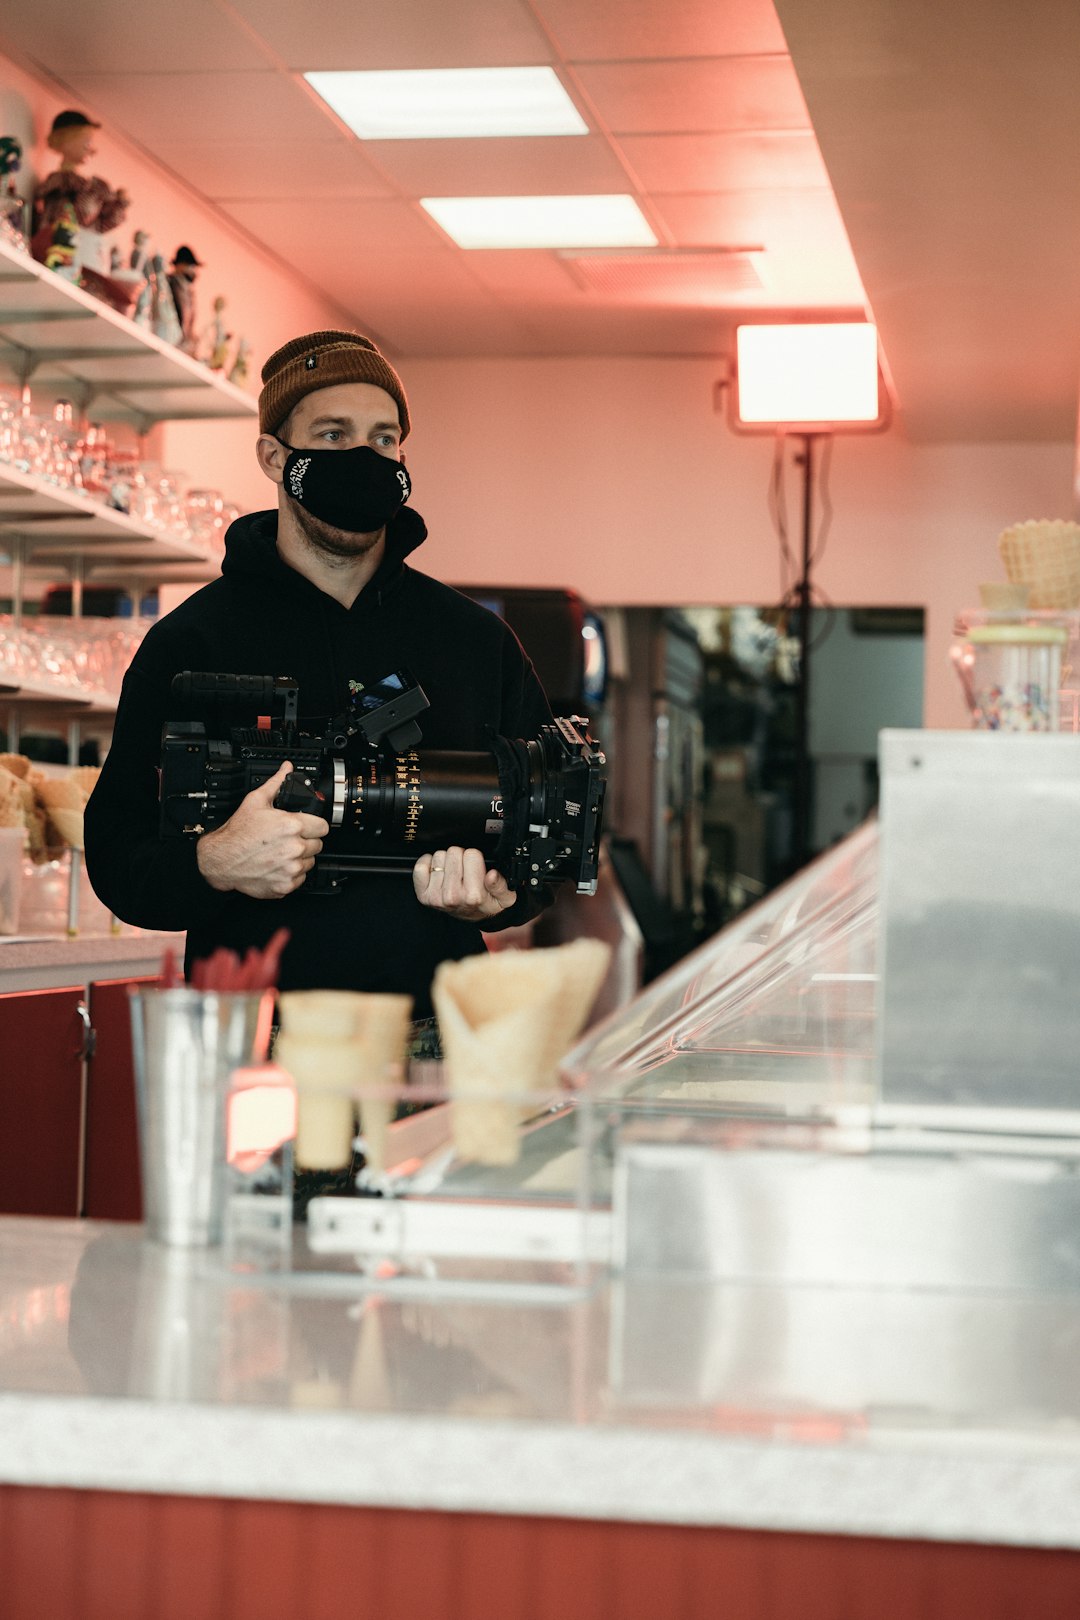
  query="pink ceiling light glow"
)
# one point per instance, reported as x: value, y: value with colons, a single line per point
x: 807, y: 377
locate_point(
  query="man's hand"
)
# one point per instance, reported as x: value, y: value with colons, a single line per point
x: 263, y: 852
x: 459, y: 882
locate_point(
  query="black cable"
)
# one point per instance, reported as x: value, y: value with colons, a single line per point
x: 778, y: 513
x: 817, y: 550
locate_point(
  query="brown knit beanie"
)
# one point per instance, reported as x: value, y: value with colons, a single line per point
x: 320, y: 360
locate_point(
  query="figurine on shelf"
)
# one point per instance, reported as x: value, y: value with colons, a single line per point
x: 182, y: 278
x: 96, y: 208
x: 61, y: 249
x: 139, y: 257
x: 238, y: 371
x: 140, y: 262
x: 12, y: 207
x: 164, y: 321
x: 216, y: 339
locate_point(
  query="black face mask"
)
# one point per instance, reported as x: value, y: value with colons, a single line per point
x: 355, y: 490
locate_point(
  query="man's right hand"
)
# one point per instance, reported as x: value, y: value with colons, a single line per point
x: 261, y: 851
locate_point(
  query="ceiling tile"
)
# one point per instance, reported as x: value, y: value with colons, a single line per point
x: 114, y: 36
x: 407, y: 34
x: 396, y: 273
x: 305, y: 233
x: 422, y: 303
x: 755, y: 92
x: 526, y: 278
x: 736, y: 160
x: 266, y: 169
x: 746, y: 217
x: 544, y: 166
x: 605, y: 30
x: 160, y: 108
x: 807, y: 257
x: 594, y: 329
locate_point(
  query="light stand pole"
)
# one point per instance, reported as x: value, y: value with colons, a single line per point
x: 803, y: 593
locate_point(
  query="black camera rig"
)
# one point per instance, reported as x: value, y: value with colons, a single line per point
x: 533, y: 806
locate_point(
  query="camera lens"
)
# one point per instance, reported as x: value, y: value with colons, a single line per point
x: 426, y: 801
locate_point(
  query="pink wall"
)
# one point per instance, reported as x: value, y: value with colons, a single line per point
x: 619, y: 478
x: 267, y: 304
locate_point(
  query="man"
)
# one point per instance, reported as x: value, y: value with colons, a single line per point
x: 318, y: 590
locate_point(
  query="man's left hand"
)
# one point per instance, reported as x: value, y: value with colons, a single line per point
x: 460, y: 882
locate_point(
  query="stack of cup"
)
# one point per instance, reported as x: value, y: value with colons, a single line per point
x: 345, y: 1051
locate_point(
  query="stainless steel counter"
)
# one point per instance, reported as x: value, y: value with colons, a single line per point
x: 934, y: 1415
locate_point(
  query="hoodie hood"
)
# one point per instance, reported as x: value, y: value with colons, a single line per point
x: 251, y: 551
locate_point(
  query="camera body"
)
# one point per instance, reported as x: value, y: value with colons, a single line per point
x: 533, y: 806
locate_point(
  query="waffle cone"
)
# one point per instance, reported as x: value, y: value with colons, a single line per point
x: 85, y: 778
x: 505, y: 1020
x: 1045, y: 556
x: 60, y: 793
x: 386, y: 1021
x: 346, y: 1046
x: 322, y: 1014
x: 69, y: 825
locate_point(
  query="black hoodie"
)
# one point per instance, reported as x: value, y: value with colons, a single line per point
x: 262, y: 617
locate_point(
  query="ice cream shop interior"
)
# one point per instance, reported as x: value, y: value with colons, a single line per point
x: 539, y: 755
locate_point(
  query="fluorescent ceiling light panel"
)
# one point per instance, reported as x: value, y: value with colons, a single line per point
x: 807, y: 373
x: 441, y: 103
x: 613, y: 220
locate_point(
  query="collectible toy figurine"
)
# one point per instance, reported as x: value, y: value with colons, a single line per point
x: 239, y: 368
x: 216, y: 339
x: 67, y: 195
x: 164, y: 321
x: 182, y: 277
x: 12, y: 207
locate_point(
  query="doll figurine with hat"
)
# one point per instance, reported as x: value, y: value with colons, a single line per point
x: 67, y: 197
x: 182, y: 278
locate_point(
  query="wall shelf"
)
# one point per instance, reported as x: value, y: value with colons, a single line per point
x: 66, y: 343
x: 82, y: 704
x: 52, y: 521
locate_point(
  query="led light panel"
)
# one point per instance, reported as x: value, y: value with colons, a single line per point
x: 807, y: 374
x: 613, y: 220
x: 441, y: 103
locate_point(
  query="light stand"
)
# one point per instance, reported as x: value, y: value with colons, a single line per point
x: 803, y: 595
x: 807, y: 379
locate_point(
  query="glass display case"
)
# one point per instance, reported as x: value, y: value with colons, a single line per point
x: 865, y: 1081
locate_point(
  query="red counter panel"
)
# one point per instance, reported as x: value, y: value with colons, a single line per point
x: 41, y: 1083
x: 95, y: 1555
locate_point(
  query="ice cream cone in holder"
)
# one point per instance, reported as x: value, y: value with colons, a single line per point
x: 1044, y: 555
x: 385, y: 1036
x: 505, y: 1020
x: 345, y: 1050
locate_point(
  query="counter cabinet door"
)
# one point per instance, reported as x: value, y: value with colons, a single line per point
x: 42, y: 1045
x: 113, y: 1184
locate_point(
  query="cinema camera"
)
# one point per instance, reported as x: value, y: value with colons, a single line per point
x: 534, y: 807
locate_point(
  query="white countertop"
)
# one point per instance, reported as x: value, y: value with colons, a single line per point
x: 40, y: 961
x: 127, y: 1366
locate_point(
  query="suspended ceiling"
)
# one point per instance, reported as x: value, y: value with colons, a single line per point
x: 899, y: 159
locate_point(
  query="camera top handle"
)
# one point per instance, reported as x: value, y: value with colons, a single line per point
x: 208, y: 686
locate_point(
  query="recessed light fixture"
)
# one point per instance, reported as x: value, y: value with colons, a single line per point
x: 441, y: 103
x: 613, y: 220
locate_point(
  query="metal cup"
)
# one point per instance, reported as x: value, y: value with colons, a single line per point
x: 186, y: 1043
